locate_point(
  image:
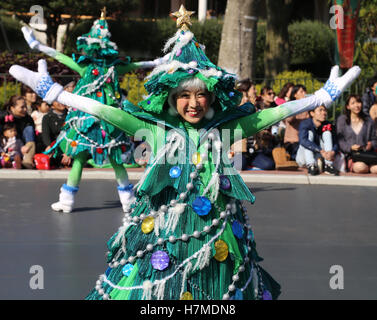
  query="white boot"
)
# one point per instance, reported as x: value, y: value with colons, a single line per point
x: 126, y: 196
x: 66, y: 199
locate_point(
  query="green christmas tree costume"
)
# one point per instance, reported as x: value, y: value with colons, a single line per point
x: 187, y: 236
x: 83, y: 135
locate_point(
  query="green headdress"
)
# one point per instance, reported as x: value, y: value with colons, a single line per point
x: 187, y: 59
x: 97, y: 41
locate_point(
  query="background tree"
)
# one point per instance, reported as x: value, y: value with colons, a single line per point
x: 238, y: 39
x: 276, y: 57
x: 53, y: 11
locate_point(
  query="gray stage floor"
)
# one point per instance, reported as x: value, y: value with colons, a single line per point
x: 300, y: 230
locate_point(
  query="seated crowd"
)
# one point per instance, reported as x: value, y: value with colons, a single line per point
x: 29, y: 126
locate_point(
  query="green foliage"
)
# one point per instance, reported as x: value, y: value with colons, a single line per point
x: 135, y: 88
x: 366, y: 49
x: 296, y: 77
x: 310, y: 42
x: 8, y: 89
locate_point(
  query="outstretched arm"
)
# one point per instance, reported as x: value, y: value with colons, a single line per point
x: 35, y: 44
x: 122, y: 69
x: 333, y: 88
x: 42, y: 84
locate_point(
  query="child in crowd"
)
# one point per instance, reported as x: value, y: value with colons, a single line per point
x: 37, y: 115
x: 10, y: 147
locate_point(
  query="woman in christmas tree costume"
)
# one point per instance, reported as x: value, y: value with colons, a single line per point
x: 84, y: 136
x: 187, y: 236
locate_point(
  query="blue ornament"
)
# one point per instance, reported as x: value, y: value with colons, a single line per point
x: 266, y: 295
x: 237, y: 229
x: 202, y: 206
x: 149, y: 102
x: 175, y: 172
x: 225, y: 183
x: 108, y: 270
x: 231, y: 94
x: 238, y: 295
x: 127, y: 269
x: 160, y: 260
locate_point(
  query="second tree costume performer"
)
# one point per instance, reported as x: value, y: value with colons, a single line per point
x: 187, y: 236
x: 84, y: 136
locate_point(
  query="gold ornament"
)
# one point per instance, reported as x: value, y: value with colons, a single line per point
x: 148, y: 225
x: 221, y: 250
x: 186, y: 296
x: 196, y: 158
x: 183, y: 18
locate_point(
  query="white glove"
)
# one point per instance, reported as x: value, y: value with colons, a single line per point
x: 29, y: 37
x: 335, y: 85
x: 40, y: 81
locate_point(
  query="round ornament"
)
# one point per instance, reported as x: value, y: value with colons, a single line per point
x: 95, y: 72
x: 99, y: 150
x: 238, y: 295
x: 196, y: 158
x: 117, y: 95
x: 127, y: 269
x: 225, y: 183
x: 73, y: 144
x: 186, y: 296
x: 266, y: 295
x: 237, y: 229
x: 99, y: 94
x: 221, y: 250
x: 175, y: 172
x: 202, y: 206
x: 160, y: 260
x: 148, y: 225
x: 108, y: 80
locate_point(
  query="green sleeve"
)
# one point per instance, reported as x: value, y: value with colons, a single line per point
x: 122, y: 69
x: 70, y: 63
x: 250, y: 125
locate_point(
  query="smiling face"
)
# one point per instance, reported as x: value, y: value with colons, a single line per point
x: 192, y: 104
x: 354, y: 105
x: 19, y: 108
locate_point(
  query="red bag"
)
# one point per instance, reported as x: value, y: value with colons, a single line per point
x: 42, y: 161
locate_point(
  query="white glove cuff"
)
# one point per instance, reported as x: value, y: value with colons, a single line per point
x: 34, y: 44
x: 53, y: 93
x: 323, y: 97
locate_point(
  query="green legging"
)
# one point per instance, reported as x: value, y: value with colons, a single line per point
x: 79, y: 162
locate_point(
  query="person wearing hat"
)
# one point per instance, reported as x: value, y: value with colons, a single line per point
x: 84, y: 136
x: 187, y: 235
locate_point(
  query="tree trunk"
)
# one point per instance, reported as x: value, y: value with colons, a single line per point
x: 276, y: 55
x: 238, y: 38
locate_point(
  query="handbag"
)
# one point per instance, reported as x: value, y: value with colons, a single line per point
x: 368, y: 157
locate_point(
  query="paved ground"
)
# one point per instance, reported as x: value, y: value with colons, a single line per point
x: 301, y: 231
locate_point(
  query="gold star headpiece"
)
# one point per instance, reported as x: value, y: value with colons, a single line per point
x: 183, y: 18
x: 103, y: 13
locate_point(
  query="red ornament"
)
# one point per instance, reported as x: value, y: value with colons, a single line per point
x: 99, y: 150
x: 95, y: 72
x: 123, y: 148
x: 99, y: 94
x: 108, y: 80
x: 101, y: 27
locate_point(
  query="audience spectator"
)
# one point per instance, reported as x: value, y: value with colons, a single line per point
x: 266, y: 99
x: 291, y: 139
x: 249, y: 93
x: 317, y: 142
x: 10, y: 147
x: 369, y: 98
x: 16, y: 113
x: 356, y: 133
x: 261, y: 157
x: 37, y: 115
x: 284, y: 93
x: 30, y: 98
